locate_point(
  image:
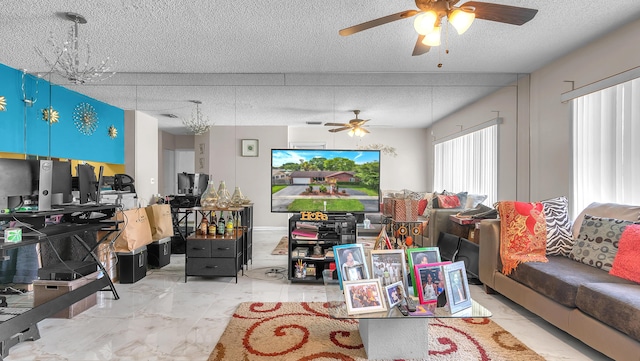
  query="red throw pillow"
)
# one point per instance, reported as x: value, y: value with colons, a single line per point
x: 422, y: 205
x: 449, y: 201
x: 626, y: 264
x: 523, y: 234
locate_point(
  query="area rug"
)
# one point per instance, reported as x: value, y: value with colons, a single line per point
x: 305, y: 331
x: 283, y: 247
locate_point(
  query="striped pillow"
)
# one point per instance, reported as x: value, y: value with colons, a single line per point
x: 559, y: 236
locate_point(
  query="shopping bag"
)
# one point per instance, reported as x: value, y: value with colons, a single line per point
x: 135, y: 230
x: 160, y: 221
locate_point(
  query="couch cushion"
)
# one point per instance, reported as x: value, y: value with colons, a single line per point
x: 609, y: 210
x: 615, y: 304
x: 559, y: 237
x: 627, y: 261
x: 560, y: 278
x: 597, y: 244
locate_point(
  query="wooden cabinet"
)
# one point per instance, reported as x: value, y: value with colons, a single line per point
x: 214, y: 256
x: 307, y: 236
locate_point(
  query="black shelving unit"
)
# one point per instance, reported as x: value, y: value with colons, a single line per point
x: 338, y: 229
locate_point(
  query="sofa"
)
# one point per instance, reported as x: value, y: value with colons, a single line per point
x: 599, y: 309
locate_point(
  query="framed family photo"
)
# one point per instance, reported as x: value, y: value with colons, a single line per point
x: 364, y: 296
x: 457, y: 286
x: 347, y: 256
x: 389, y: 266
x: 430, y: 281
x: 424, y: 255
x: 395, y: 293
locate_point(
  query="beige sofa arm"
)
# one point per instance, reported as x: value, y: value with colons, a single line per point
x: 439, y: 222
x: 489, y: 259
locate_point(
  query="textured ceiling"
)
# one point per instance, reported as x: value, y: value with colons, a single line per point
x: 283, y: 62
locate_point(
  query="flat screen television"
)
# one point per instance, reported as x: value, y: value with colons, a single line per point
x: 331, y: 181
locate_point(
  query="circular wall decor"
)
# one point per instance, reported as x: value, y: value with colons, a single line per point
x: 85, y: 118
x: 50, y: 115
x: 3, y: 104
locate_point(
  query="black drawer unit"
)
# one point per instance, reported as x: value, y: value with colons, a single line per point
x: 159, y: 253
x: 132, y: 266
x: 209, y: 256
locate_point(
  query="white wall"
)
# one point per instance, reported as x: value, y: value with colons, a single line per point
x: 141, y: 153
x: 535, y: 140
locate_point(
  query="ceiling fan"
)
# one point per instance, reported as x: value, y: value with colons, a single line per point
x: 431, y: 12
x: 355, y: 126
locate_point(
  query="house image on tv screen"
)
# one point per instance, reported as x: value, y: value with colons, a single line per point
x: 343, y: 181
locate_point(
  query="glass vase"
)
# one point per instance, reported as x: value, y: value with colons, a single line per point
x: 237, y: 198
x: 209, y: 198
x: 224, y: 198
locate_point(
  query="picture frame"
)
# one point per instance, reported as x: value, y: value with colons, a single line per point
x: 421, y: 255
x: 355, y: 273
x: 364, y: 296
x: 250, y: 148
x: 348, y: 255
x: 457, y: 286
x: 394, y: 293
x: 430, y: 281
x: 389, y: 266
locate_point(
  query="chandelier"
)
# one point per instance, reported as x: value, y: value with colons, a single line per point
x: 70, y: 61
x: 198, y: 124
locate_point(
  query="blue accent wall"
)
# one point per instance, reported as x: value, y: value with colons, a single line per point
x: 25, y: 131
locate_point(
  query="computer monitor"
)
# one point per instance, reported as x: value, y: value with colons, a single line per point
x: 51, y: 181
x: 192, y: 183
x: 88, y: 184
x: 15, y: 182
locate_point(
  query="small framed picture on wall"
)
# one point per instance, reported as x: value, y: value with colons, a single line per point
x: 249, y: 147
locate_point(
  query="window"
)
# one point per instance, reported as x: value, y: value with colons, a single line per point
x: 469, y: 163
x: 606, y: 146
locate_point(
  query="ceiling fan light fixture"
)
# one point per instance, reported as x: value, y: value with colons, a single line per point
x: 351, y: 132
x: 433, y: 38
x: 425, y: 22
x: 461, y: 19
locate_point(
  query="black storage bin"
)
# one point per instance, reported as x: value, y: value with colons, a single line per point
x: 132, y: 266
x: 159, y: 253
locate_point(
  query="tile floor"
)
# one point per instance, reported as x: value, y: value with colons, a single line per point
x: 163, y: 318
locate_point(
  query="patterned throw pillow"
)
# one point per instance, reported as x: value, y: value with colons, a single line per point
x: 559, y: 236
x: 523, y: 234
x: 597, y: 243
x: 626, y: 264
x: 448, y: 201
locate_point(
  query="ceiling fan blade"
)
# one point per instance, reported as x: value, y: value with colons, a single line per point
x: 420, y: 48
x: 377, y: 22
x: 362, y: 121
x: 336, y: 125
x: 502, y: 13
x: 365, y: 131
x: 339, y: 129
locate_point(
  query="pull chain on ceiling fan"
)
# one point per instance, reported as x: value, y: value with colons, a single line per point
x: 431, y: 12
x: 355, y: 126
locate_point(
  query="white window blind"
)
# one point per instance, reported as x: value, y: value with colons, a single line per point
x: 468, y: 163
x: 606, y: 146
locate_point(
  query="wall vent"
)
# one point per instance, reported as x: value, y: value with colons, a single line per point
x: 314, y: 123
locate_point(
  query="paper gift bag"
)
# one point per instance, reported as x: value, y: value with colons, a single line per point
x: 135, y: 230
x: 160, y: 221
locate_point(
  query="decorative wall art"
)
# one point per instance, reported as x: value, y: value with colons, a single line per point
x: 113, y: 132
x: 249, y: 147
x: 85, y: 118
x: 3, y: 104
x: 50, y: 115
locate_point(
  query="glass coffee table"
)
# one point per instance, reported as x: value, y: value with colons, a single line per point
x: 390, y: 334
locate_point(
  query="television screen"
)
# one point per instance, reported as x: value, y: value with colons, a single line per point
x: 332, y: 181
